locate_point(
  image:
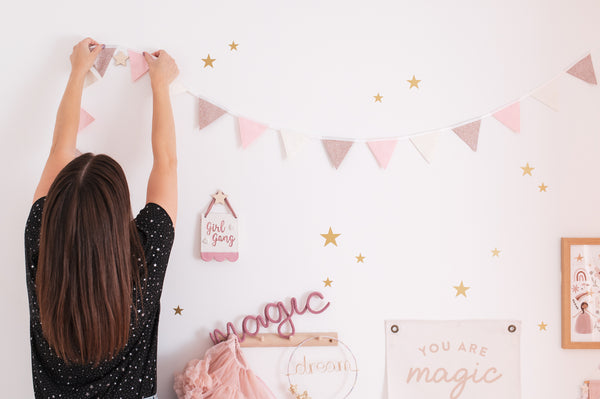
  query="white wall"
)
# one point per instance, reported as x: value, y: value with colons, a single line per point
x: 314, y: 67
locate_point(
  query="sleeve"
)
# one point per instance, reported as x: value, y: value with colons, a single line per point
x: 32, y: 241
x: 157, y: 235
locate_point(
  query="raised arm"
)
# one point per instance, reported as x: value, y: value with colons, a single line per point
x: 162, y: 184
x: 67, y: 118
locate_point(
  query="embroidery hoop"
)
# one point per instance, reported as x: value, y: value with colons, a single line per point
x: 339, y: 343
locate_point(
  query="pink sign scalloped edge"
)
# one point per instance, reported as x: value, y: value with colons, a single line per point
x: 220, y: 256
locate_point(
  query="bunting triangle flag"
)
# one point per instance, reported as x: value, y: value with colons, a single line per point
x: 426, y: 145
x: 337, y: 150
x: 208, y: 113
x: 177, y: 87
x: 250, y: 131
x: 293, y: 142
x: 103, y: 60
x: 584, y: 70
x: 84, y: 119
x: 382, y: 151
x: 137, y: 64
x: 91, y: 77
x: 469, y: 133
x: 510, y: 117
x: 549, y: 94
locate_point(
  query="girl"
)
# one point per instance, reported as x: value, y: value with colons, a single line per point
x: 95, y: 274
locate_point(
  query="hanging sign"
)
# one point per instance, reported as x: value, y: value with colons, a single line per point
x: 453, y: 359
x: 219, y: 234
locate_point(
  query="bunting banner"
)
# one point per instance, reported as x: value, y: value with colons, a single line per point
x: 469, y: 133
x: 382, y: 151
x: 337, y: 150
x: 425, y: 143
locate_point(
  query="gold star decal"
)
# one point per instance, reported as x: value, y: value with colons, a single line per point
x: 293, y: 388
x: 330, y: 238
x: 120, y: 58
x: 496, y: 252
x: 543, y: 326
x: 579, y: 257
x: 233, y: 45
x: 378, y: 97
x: 413, y: 82
x: 360, y: 258
x: 178, y: 310
x: 461, y: 289
x: 527, y: 169
x: 219, y: 197
x: 328, y: 282
x: 543, y: 187
x: 208, y: 61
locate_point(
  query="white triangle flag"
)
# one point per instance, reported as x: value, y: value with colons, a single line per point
x: 549, y: 94
x: 293, y: 142
x: 91, y: 77
x: 426, y: 145
x: 177, y: 87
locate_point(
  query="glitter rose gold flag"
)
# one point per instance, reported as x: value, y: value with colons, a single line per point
x: 337, y: 150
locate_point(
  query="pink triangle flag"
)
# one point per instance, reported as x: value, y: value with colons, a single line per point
x: 250, y: 131
x: 208, y: 113
x: 510, y: 116
x: 138, y: 65
x: 337, y: 150
x: 584, y: 70
x: 469, y: 133
x: 84, y: 119
x: 382, y: 151
x: 103, y: 60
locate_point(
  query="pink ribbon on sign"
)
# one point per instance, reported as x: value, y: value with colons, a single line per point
x: 469, y: 133
x: 584, y: 70
x: 84, y: 119
x: 510, y: 117
x: 137, y: 64
x: 337, y: 150
x: 382, y: 151
x: 250, y: 131
x: 208, y: 113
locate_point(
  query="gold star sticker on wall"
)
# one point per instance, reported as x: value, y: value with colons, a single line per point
x: 378, y: 97
x: 328, y: 282
x: 120, y: 58
x: 413, y: 82
x: 360, y: 258
x: 543, y: 326
x: 219, y: 197
x: 543, y: 187
x: 208, y: 61
x: 527, y: 169
x: 330, y: 238
x: 233, y: 45
x: 579, y: 257
x: 178, y: 310
x: 496, y: 252
x: 461, y: 289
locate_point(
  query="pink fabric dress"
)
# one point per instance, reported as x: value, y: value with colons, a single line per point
x: 583, y: 324
x: 222, y: 374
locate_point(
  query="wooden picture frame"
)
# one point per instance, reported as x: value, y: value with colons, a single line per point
x: 580, y: 287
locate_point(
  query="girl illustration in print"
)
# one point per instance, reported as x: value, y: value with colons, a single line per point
x: 94, y: 273
x: 583, y: 323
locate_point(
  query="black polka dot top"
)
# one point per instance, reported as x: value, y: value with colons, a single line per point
x: 132, y: 373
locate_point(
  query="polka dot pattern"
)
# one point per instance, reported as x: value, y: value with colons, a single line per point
x: 131, y: 374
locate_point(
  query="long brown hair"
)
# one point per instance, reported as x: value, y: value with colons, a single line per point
x: 89, y: 261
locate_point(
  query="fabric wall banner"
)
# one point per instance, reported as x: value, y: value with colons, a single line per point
x: 137, y: 64
x: 91, y: 77
x: 103, y: 60
x: 208, y: 113
x: 549, y: 94
x: 510, y: 117
x: 84, y: 119
x: 469, y: 133
x: 337, y: 150
x: 426, y: 145
x: 293, y: 142
x: 584, y: 70
x: 250, y: 131
x: 382, y: 151
x: 466, y: 359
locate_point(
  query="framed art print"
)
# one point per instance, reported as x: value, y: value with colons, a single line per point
x: 580, y: 293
